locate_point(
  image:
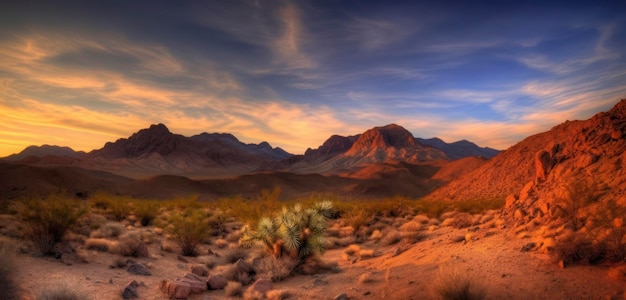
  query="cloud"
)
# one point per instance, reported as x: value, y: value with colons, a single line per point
x: 288, y: 47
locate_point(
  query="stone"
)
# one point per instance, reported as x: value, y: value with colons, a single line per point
x: 510, y: 200
x: 261, y: 286
x: 518, y: 215
x: 197, y: 284
x: 130, y: 291
x: 175, y: 289
x: 543, y: 165
x: 562, y: 264
x: 243, y: 271
x: 138, y: 269
x: 341, y: 297
x: 200, y: 270
x: 528, y: 247
x: 216, y: 282
x: 457, y: 239
x: 526, y: 192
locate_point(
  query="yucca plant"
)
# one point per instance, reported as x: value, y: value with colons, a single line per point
x: 295, y: 232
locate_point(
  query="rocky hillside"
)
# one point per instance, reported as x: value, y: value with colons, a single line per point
x: 459, y: 149
x: 566, y: 187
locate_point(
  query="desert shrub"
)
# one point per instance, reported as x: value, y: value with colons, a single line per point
x: 578, y: 194
x: 391, y: 238
x: 61, y: 292
x: 236, y: 254
x: 108, y: 230
x: 457, y: 285
x: 146, y: 211
x: 8, y: 286
x: 47, y: 220
x: 189, y: 229
x: 613, y: 246
x: 580, y: 250
x: 296, y: 232
x: 131, y: 244
x: 117, y: 207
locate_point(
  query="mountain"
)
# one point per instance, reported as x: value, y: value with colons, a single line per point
x: 156, y: 150
x: 43, y: 151
x: 340, y: 154
x: 459, y: 149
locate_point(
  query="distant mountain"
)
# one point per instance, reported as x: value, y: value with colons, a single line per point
x: 44, y: 150
x: 381, y: 145
x: 459, y: 149
x: 156, y: 150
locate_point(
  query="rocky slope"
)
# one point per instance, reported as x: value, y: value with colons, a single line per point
x: 566, y: 186
x: 43, y: 151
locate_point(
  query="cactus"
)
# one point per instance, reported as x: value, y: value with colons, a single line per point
x: 295, y: 232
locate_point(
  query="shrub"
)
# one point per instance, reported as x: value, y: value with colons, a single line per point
x: 46, y: 221
x: 146, y: 211
x: 580, y: 250
x: 456, y: 285
x: 295, y: 232
x: 108, y: 230
x: 116, y: 206
x: 188, y: 229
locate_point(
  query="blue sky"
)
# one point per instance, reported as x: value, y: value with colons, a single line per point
x: 293, y: 73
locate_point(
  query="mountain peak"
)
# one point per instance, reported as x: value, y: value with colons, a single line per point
x: 391, y: 135
x: 158, y: 129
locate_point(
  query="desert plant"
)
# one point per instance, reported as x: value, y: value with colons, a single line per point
x: 145, y: 211
x: 47, y: 220
x: 295, y: 232
x: 188, y: 229
x: 457, y: 285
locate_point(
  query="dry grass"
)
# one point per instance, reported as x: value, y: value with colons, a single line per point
x: 99, y: 244
x: 109, y: 230
x: 454, y: 284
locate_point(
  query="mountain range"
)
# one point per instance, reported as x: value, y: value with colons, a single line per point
x: 535, y: 175
x: 157, y: 151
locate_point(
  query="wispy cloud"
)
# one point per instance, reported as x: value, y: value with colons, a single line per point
x: 288, y: 45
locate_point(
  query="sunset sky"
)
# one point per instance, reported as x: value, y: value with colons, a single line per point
x: 293, y: 73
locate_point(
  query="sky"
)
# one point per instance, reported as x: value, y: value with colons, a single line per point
x: 293, y: 73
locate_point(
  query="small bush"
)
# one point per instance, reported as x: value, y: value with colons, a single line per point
x: 46, y: 221
x: 108, y: 230
x: 116, y: 206
x: 189, y: 229
x: 457, y: 285
x: 580, y: 250
x: 146, y: 211
x: 131, y: 244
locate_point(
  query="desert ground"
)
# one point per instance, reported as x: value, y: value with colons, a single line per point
x: 393, y: 255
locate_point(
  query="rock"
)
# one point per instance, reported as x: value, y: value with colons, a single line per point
x: 183, y: 259
x: 562, y: 264
x: 216, y: 282
x: 197, y: 284
x: 526, y: 192
x: 510, y: 200
x: 618, y: 222
x: 319, y: 282
x: 138, y: 269
x: 260, y: 287
x: 243, y: 271
x: 543, y: 165
x: 200, y: 270
x: 130, y: 291
x: 518, y: 215
x: 175, y: 289
x: 528, y: 247
x: 457, y: 239
x: 341, y: 297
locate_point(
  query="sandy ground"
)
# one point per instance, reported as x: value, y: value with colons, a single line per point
x: 492, y: 258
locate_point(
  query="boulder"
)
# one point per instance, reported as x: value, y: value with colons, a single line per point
x: 175, y: 289
x: 130, y: 291
x: 510, y: 200
x: 341, y: 297
x: 216, y: 282
x: 261, y: 286
x: 200, y: 270
x: 197, y: 284
x: 138, y: 269
x: 543, y: 165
